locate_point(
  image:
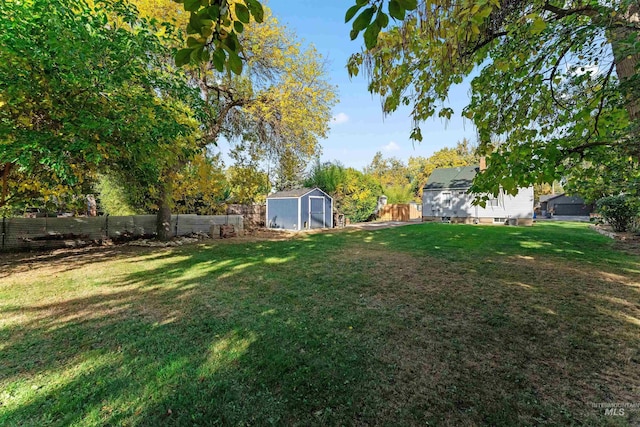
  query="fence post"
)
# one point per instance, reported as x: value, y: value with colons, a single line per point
x: 176, y: 230
x: 4, y: 229
x: 106, y: 226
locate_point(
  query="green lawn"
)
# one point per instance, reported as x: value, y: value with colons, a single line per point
x: 430, y: 324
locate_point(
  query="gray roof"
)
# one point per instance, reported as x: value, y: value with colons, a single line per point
x: 298, y: 192
x: 458, y: 177
x: 576, y: 200
x: 546, y: 197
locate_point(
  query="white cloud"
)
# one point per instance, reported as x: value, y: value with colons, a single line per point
x: 392, y: 146
x: 340, y: 118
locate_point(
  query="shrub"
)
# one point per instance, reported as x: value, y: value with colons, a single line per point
x: 621, y: 212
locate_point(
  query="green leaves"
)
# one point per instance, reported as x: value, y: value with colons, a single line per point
x: 371, y: 35
x: 92, y: 86
x: 365, y: 20
x: 218, y: 22
x: 395, y: 10
x: 183, y: 57
x: 191, y: 5
x: 219, y: 59
x: 351, y: 12
x: 234, y: 62
x: 242, y: 13
x: 256, y: 10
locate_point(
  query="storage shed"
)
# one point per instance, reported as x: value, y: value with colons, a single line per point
x: 300, y: 209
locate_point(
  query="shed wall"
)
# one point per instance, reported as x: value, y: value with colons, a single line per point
x: 305, y: 206
x: 304, y: 212
x: 283, y: 213
x: 328, y: 212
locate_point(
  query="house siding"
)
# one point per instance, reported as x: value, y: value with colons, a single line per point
x: 457, y: 204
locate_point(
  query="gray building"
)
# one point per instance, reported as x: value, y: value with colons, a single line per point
x: 300, y: 209
x: 446, y: 197
x: 563, y: 205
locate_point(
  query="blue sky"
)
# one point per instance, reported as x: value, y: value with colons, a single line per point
x: 360, y: 129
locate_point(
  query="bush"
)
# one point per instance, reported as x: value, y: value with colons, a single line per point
x: 621, y: 212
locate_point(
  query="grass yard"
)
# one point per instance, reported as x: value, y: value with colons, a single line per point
x: 430, y: 324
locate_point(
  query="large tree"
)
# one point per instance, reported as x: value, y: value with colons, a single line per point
x: 275, y: 108
x: 84, y: 87
x: 355, y: 194
x: 554, y: 81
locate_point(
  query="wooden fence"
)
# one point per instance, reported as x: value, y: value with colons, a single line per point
x: 399, y: 212
x: 45, y: 233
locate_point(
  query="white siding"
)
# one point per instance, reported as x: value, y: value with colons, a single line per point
x: 461, y: 205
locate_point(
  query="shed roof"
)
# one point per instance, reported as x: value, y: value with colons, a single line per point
x: 458, y: 177
x: 296, y: 193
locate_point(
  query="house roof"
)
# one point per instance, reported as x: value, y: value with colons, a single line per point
x: 296, y: 193
x: 458, y: 177
x: 576, y: 200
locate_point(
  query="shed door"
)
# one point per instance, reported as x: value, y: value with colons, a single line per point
x: 316, y: 212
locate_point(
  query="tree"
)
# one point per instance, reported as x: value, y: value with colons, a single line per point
x: 620, y: 211
x: 557, y: 81
x: 393, y: 177
x: 388, y: 172
x: 214, y: 27
x: 73, y: 104
x: 615, y: 173
x: 278, y: 108
x: 201, y: 186
x: 355, y: 194
x: 275, y: 108
x: 249, y: 185
x: 113, y: 199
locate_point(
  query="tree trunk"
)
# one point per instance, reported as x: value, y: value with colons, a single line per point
x: 626, y: 61
x: 5, y: 182
x: 163, y: 218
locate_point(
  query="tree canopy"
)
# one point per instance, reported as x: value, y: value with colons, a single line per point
x: 84, y: 86
x: 555, y: 82
x: 355, y: 193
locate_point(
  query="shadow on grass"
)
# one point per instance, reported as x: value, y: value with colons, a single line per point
x: 354, y: 328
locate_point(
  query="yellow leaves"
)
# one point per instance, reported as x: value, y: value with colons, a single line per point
x: 502, y: 65
x: 25, y: 121
x: 538, y: 25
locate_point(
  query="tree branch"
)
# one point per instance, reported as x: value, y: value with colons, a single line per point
x: 562, y: 13
x: 601, y: 104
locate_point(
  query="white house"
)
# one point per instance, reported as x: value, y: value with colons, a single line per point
x: 446, y: 197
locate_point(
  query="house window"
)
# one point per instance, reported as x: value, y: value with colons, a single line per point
x: 493, y: 203
x: 461, y: 193
x: 499, y: 220
x: 446, y: 200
